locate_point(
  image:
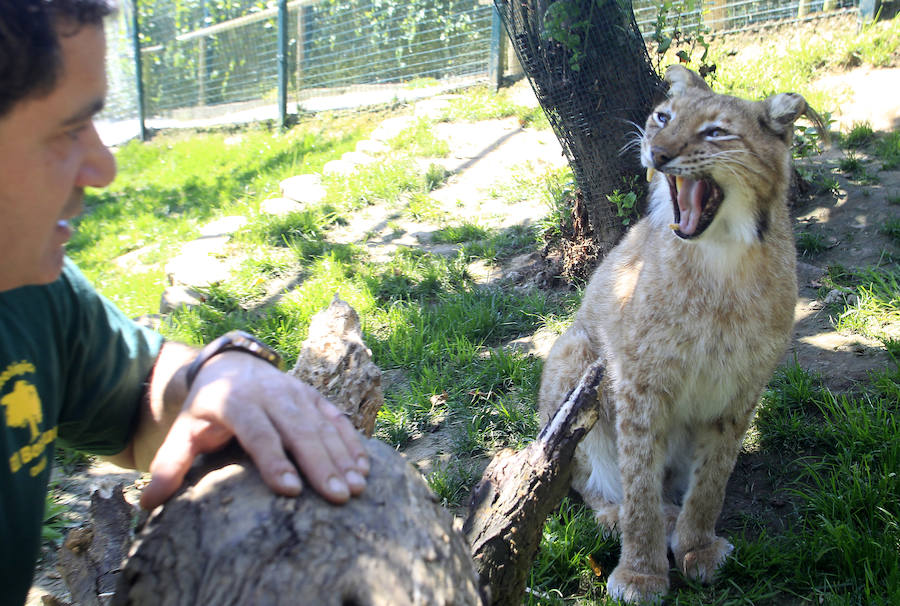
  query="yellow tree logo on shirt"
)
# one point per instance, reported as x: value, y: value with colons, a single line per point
x: 22, y: 406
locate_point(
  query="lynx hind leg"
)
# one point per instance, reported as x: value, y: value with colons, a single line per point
x: 698, y: 551
x: 607, y: 516
x: 568, y: 358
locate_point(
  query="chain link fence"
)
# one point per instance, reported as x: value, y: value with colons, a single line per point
x: 205, y: 62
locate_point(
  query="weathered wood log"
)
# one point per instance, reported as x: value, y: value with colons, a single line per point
x: 226, y: 539
x: 335, y: 360
x: 518, y: 490
x: 91, y: 555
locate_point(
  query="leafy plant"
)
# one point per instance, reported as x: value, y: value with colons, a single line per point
x: 566, y: 22
x: 674, y: 35
x: 57, y: 519
x: 625, y: 201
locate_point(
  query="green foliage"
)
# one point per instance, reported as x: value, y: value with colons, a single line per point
x: 57, y: 519
x: 802, y: 59
x: 891, y: 228
x: 571, y: 550
x: 860, y: 135
x: 888, y: 151
x: 808, y: 141
x: 876, y: 305
x: 384, y: 182
x: 451, y: 483
x: 678, y: 35
x: 566, y: 22
x: 811, y: 243
x: 560, y: 197
x: 420, y: 140
x: 625, y: 200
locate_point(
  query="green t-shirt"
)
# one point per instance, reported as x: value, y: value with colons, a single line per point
x: 72, y: 369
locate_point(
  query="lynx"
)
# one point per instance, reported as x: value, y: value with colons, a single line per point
x: 691, y: 313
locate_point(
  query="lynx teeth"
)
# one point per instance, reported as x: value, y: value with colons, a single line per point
x: 650, y: 172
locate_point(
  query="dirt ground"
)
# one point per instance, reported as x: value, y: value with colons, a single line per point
x: 482, y: 154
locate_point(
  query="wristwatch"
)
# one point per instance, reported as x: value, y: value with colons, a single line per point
x: 236, y: 340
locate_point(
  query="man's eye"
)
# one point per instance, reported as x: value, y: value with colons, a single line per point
x: 75, y: 133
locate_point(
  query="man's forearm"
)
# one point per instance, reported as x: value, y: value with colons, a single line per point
x: 160, y: 404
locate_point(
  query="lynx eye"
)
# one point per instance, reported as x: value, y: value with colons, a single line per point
x: 663, y: 118
x: 715, y: 132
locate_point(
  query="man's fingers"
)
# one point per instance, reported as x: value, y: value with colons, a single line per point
x: 261, y: 440
x: 171, y: 463
x: 349, y: 435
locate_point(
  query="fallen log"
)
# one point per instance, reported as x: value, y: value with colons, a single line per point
x: 518, y: 490
x: 226, y: 539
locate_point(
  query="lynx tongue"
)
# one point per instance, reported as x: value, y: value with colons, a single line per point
x: 690, y: 204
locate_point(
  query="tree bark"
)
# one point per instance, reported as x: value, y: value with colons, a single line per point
x: 226, y: 539
x: 589, y: 67
x: 518, y: 490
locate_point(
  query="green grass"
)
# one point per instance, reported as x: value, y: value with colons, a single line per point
x: 481, y: 103
x: 887, y: 150
x: 810, y: 243
x: 794, y: 65
x: 425, y: 318
x: 876, y: 310
x: 860, y: 135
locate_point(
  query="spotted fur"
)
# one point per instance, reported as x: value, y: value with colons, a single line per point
x: 690, y: 331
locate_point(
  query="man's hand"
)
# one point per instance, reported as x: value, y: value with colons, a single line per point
x: 271, y: 414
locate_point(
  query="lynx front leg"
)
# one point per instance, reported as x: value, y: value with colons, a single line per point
x: 642, y: 574
x: 698, y: 551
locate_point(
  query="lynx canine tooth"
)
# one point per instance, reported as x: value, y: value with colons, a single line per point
x: 678, y: 182
x: 650, y: 172
x: 673, y: 226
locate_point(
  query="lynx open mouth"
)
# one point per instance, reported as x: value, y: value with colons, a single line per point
x: 695, y: 203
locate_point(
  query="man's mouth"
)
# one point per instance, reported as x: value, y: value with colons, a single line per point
x: 64, y: 230
x: 695, y: 203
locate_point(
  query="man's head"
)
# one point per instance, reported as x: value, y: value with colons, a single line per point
x: 30, y: 59
x: 52, y: 83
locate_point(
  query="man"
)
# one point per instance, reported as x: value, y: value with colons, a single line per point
x: 72, y: 367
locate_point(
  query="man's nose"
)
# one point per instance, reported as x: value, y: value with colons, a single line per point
x: 98, y: 167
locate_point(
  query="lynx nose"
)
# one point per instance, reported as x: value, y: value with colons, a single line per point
x: 660, y: 156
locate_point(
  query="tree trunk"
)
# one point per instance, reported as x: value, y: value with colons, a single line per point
x: 518, y: 491
x: 226, y: 539
x: 590, y: 70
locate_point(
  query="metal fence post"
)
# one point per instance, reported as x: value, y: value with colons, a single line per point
x: 495, y: 63
x: 282, y: 62
x: 138, y: 69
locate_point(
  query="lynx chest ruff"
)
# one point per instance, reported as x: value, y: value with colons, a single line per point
x: 691, y: 313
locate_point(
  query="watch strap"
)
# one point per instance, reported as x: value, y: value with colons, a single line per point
x: 235, y: 340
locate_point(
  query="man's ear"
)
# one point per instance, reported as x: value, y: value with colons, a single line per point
x: 680, y: 79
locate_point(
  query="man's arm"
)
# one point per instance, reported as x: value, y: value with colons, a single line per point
x: 269, y: 412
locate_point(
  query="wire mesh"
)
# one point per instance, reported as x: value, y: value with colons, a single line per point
x: 217, y: 60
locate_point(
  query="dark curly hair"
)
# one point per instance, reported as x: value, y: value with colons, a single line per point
x: 30, y: 60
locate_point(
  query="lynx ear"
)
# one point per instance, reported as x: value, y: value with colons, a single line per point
x: 782, y: 110
x: 680, y: 79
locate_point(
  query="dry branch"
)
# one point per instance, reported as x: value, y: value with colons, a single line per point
x: 518, y: 490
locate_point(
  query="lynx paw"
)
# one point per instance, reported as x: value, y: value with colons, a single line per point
x: 607, y: 518
x: 636, y: 588
x: 701, y: 564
